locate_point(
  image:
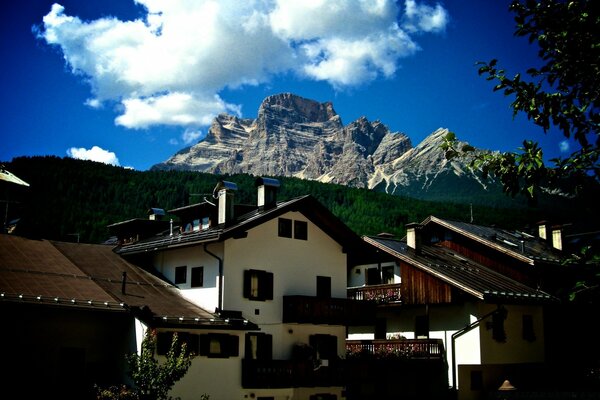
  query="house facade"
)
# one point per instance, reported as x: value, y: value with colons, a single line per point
x: 489, y: 324
x: 278, y: 266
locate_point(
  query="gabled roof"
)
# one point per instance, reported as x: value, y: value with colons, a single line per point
x: 90, y: 276
x: 460, y: 272
x: 516, y: 244
x: 307, y: 205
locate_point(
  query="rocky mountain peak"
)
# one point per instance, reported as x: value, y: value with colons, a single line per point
x: 288, y: 106
x: 294, y: 136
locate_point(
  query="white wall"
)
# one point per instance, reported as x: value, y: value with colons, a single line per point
x: 206, y: 296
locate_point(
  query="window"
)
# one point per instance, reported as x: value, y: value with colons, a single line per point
x: 197, y: 277
x: 387, y: 275
x: 528, y: 332
x: 165, y: 339
x: 324, y: 287
x: 380, y: 328
x: 301, y: 230
x: 259, y: 346
x: 325, y: 346
x: 476, y: 380
x: 258, y: 285
x: 180, y: 275
x: 285, y: 227
x: 218, y: 345
x: 372, y: 276
x: 422, y: 327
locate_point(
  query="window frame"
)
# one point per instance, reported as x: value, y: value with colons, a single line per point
x: 228, y: 345
x: 199, y: 270
x: 285, y: 227
x: 178, y: 270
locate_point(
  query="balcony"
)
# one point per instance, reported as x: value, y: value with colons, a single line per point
x: 395, y: 349
x: 380, y: 294
x: 316, y: 310
x: 265, y: 374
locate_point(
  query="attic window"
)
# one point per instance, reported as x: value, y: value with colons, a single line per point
x: 301, y: 230
x: 285, y: 227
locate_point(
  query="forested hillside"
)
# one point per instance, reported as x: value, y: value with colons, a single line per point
x: 70, y: 199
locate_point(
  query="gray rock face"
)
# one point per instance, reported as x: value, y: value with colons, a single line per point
x: 294, y: 136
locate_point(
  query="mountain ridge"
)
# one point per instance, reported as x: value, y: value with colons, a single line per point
x: 298, y: 137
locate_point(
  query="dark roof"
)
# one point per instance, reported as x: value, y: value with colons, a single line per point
x: 307, y: 205
x: 90, y: 276
x: 460, y: 272
x: 516, y: 244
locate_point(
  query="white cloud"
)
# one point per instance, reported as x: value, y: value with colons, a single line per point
x: 94, y: 154
x: 564, y: 146
x: 190, y: 136
x: 424, y: 18
x: 169, y: 67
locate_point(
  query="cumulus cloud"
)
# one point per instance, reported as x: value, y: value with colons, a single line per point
x: 170, y: 66
x: 564, y: 146
x: 94, y: 154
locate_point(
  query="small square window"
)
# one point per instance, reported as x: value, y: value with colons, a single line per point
x: 285, y: 227
x: 197, y: 277
x: 180, y: 275
x: 300, y: 230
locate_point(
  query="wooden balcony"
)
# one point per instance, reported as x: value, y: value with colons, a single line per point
x: 380, y: 294
x: 265, y: 374
x: 330, y: 311
x: 396, y: 349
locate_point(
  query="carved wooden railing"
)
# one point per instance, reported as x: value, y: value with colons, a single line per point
x: 380, y: 294
x: 398, y: 348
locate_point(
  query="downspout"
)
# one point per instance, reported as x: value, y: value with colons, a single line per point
x: 220, y: 299
x: 461, y: 332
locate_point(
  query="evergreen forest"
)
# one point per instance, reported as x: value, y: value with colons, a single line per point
x: 75, y: 200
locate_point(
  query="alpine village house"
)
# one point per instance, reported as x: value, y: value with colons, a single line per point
x: 280, y: 300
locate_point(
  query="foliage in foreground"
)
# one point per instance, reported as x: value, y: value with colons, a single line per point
x: 563, y: 93
x: 152, y: 380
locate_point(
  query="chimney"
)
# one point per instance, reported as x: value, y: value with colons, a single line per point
x: 413, y: 236
x: 225, y: 195
x: 543, y: 230
x: 267, y: 192
x: 557, y: 237
x: 156, y: 214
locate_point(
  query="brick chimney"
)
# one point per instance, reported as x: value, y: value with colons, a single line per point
x: 267, y: 192
x: 225, y: 191
x: 413, y: 236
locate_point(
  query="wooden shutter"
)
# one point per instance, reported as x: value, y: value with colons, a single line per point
x: 268, y: 289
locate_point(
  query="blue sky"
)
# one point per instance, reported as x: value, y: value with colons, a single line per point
x: 132, y: 83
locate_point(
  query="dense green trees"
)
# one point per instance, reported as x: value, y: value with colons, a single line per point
x: 70, y: 197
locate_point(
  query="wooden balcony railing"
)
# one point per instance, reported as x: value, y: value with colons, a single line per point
x: 264, y: 374
x: 316, y: 310
x: 395, y: 349
x: 380, y: 294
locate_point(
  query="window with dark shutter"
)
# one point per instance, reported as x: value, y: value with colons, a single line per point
x: 217, y: 345
x: 197, y: 277
x: 258, y: 285
x: 259, y: 346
